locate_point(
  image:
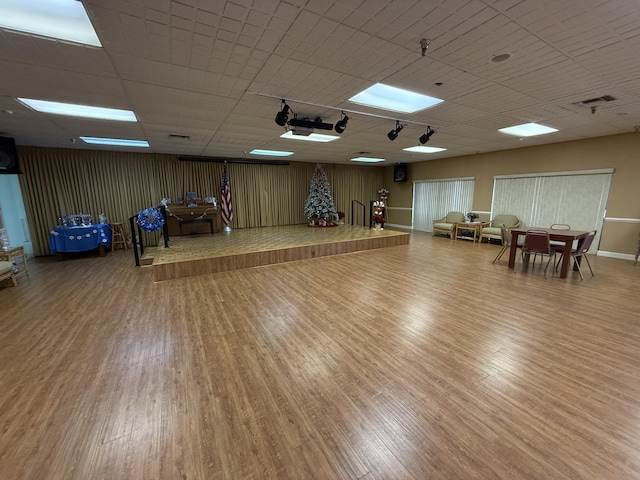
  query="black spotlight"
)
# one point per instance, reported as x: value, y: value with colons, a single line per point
x: 425, y: 138
x: 341, y: 124
x: 393, y: 134
x: 283, y: 115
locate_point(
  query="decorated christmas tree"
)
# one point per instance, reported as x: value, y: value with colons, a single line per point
x: 320, y: 203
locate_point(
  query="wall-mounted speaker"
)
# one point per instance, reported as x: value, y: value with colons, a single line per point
x: 400, y: 172
x: 8, y: 156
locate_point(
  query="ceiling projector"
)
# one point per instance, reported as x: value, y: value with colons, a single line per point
x: 305, y: 123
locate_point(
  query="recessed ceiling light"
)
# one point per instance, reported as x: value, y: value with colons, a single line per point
x: 115, y: 142
x: 503, y: 57
x: 367, y: 159
x: 528, y: 130
x: 60, y: 19
x: 394, y: 99
x: 74, y: 110
x: 272, y: 153
x: 423, y: 149
x: 312, y: 137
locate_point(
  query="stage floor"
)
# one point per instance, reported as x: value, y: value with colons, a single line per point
x: 192, y: 255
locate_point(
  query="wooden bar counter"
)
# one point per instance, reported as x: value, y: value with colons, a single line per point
x: 175, y: 213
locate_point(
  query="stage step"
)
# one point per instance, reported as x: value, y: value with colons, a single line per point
x: 149, y: 255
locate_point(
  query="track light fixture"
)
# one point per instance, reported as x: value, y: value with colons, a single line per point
x: 283, y: 115
x: 341, y: 124
x: 425, y: 137
x: 393, y: 134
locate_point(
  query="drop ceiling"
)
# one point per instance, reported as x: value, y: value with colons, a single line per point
x: 206, y: 78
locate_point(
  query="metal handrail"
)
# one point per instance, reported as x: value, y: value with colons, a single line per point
x: 364, y: 212
x: 134, y: 241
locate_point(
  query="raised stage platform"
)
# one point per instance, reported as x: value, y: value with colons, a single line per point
x: 192, y: 255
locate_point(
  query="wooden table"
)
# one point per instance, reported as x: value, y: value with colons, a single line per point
x: 565, y: 236
x: 468, y: 226
x: 16, y: 253
x: 177, y: 214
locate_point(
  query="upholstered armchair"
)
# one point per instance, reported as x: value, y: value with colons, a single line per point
x: 6, y: 272
x: 493, y: 230
x: 445, y: 224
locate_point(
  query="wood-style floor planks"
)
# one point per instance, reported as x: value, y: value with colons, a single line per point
x: 410, y: 362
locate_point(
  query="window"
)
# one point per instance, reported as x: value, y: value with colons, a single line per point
x: 433, y: 199
x: 576, y: 198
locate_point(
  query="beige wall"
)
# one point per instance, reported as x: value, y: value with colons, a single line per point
x: 620, y: 152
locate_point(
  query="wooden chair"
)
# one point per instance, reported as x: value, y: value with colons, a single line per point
x: 118, y: 236
x: 581, y: 252
x: 558, y: 247
x: 6, y: 272
x: 445, y: 225
x: 506, y: 242
x: 536, y: 242
x: 493, y: 230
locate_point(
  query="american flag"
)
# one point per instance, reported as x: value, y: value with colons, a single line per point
x: 226, y: 205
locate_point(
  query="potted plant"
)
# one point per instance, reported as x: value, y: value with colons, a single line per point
x: 472, y: 216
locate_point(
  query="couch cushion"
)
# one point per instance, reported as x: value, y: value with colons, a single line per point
x: 509, y: 221
x: 491, y: 231
x: 453, y: 217
x: 443, y: 226
x: 5, y: 267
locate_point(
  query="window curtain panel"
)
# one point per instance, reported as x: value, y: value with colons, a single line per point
x: 120, y: 184
x: 578, y: 199
x: 433, y: 199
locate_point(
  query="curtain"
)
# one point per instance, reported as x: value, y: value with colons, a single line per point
x: 120, y: 184
x: 433, y: 199
x: 578, y: 199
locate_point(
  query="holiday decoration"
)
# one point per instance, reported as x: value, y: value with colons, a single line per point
x: 150, y: 219
x: 319, y: 204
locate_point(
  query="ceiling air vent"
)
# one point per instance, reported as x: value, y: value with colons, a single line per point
x: 180, y: 136
x: 594, y: 102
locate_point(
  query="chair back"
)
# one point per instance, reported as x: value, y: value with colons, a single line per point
x: 536, y: 241
x: 510, y: 221
x: 506, y: 241
x: 560, y: 226
x: 584, y: 248
x: 453, y: 217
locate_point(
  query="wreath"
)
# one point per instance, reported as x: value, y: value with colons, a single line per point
x: 150, y: 219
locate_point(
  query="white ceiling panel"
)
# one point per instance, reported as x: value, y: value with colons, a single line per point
x: 217, y: 71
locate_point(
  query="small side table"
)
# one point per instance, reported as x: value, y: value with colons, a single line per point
x: 462, y: 230
x: 16, y: 253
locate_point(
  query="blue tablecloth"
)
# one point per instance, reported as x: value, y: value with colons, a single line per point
x: 79, y: 239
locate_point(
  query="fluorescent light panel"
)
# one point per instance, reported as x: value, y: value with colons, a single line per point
x: 367, y: 159
x: 528, y: 130
x: 394, y: 99
x: 272, y: 153
x: 115, y: 142
x: 74, y: 110
x: 60, y: 19
x: 313, y: 137
x: 423, y: 149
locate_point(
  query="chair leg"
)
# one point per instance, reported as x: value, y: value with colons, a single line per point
x: 589, y: 264
x: 504, y: 249
x: 551, y: 257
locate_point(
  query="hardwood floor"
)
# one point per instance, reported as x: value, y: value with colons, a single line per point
x: 423, y: 361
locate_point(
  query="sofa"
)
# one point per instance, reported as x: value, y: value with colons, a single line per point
x: 493, y: 230
x: 445, y: 224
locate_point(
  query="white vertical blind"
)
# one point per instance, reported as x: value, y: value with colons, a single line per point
x: 578, y: 199
x: 433, y: 199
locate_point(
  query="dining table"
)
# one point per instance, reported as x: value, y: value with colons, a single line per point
x: 565, y: 236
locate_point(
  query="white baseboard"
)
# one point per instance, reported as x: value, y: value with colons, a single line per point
x: 621, y: 256
x: 402, y: 227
